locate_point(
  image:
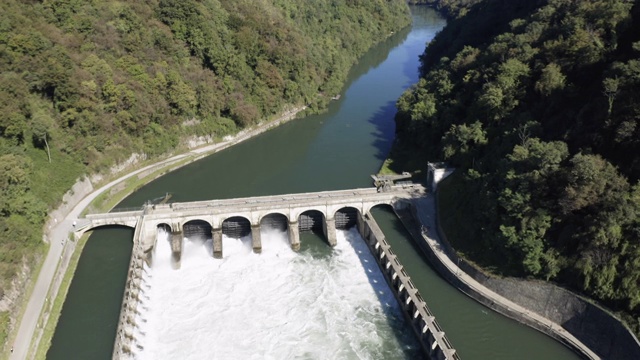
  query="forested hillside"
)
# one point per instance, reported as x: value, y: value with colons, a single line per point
x: 84, y: 84
x: 452, y: 8
x: 537, y: 103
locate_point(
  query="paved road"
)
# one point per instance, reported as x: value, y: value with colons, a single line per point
x: 61, y: 229
x: 59, y: 232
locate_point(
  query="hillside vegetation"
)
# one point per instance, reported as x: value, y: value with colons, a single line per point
x: 84, y: 84
x: 537, y: 103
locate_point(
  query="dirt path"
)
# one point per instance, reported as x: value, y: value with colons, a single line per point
x: 61, y: 229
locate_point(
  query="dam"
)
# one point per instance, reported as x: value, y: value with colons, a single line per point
x: 324, y: 212
x: 330, y: 151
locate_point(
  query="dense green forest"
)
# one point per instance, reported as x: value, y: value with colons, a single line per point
x: 451, y: 8
x: 84, y: 84
x: 537, y: 104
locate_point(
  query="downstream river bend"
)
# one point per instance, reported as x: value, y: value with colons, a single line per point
x: 336, y: 150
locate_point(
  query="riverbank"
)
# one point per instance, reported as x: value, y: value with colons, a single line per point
x: 567, y: 317
x: 582, y: 326
x: 423, y: 215
x: 597, y: 329
x: 81, y: 196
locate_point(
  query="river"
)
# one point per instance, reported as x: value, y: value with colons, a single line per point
x: 335, y: 150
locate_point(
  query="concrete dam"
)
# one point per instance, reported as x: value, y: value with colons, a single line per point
x: 320, y: 212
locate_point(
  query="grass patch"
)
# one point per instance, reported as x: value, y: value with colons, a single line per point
x: 4, y: 326
x: 102, y: 203
x: 55, y: 310
x: 52, y: 180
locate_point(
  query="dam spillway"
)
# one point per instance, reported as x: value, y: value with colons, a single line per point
x: 276, y: 304
x: 186, y: 287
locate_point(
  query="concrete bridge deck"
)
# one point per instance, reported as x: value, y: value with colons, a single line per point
x: 339, y: 197
x: 296, y: 212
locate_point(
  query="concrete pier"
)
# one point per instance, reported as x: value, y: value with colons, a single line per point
x: 405, y: 199
x: 216, y: 235
x: 294, y: 235
x: 330, y: 231
x: 176, y: 248
x: 256, y: 241
x: 212, y: 214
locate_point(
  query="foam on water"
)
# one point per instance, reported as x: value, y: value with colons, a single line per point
x: 275, y: 305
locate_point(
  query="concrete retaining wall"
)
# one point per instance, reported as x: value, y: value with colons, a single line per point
x: 434, y: 343
x: 592, y: 325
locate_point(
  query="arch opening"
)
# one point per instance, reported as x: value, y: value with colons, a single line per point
x: 274, y: 221
x: 383, y: 207
x: 311, y: 221
x: 110, y: 226
x: 164, y: 227
x: 197, y: 229
x: 236, y: 227
x: 346, y: 218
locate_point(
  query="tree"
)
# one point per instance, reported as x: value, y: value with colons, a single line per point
x: 590, y: 181
x: 41, y: 124
x: 463, y: 139
x: 551, y: 79
x: 14, y: 181
x: 611, y: 86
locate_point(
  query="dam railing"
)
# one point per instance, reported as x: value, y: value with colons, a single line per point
x: 432, y: 338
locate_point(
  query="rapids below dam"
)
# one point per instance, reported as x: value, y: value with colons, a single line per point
x: 316, y: 304
x: 322, y: 302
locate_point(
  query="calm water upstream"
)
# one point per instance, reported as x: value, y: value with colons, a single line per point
x: 335, y: 150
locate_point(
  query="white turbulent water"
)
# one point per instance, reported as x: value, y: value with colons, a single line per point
x: 275, y: 305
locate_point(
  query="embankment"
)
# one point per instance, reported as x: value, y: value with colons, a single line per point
x: 564, y: 316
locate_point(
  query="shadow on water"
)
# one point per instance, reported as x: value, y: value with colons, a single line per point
x: 395, y: 319
x: 384, y: 124
x: 426, y: 22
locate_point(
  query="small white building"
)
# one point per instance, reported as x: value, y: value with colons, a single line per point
x: 437, y: 172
